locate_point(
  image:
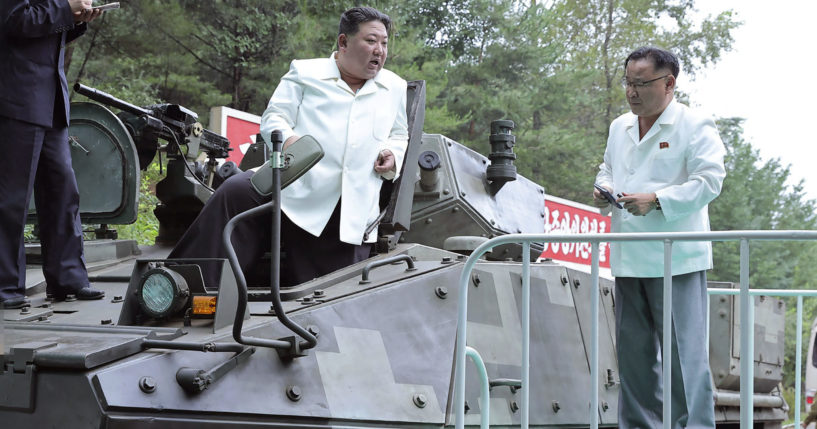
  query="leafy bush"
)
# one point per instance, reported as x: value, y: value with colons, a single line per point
x: 146, y: 227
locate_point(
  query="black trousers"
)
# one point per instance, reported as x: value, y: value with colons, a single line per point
x: 39, y: 159
x: 305, y: 256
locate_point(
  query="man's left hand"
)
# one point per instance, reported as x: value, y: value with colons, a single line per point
x: 385, y: 162
x: 638, y: 204
x: 87, y: 15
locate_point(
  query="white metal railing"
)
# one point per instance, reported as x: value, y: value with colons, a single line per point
x: 746, y: 313
x: 484, y: 384
x: 798, y: 335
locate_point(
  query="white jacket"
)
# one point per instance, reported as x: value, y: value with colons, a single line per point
x: 681, y: 160
x: 352, y: 128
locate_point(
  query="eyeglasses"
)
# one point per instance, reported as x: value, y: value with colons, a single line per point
x: 638, y: 85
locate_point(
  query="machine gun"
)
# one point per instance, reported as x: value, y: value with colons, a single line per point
x: 170, y: 122
x: 188, y: 183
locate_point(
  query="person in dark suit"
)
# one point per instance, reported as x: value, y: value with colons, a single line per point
x: 35, y: 149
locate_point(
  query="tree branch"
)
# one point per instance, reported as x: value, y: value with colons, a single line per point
x: 196, y: 56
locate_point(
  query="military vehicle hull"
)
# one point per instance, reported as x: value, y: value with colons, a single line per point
x: 385, y: 328
x: 384, y: 356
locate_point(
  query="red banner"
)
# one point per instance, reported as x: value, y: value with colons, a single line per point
x: 567, y: 217
x: 239, y: 127
x: 240, y: 132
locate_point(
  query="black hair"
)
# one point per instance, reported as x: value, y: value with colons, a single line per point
x: 661, y: 58
x: 351, y: 19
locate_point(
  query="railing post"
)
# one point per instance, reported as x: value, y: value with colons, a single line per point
x: 708, y: 309
x: 485, y: 395
x: 666, y: 357
x: 747, y: 341
x: 594, y: 337
x: 459, y: 354
x: 798, y: 357
x: 525, y: 333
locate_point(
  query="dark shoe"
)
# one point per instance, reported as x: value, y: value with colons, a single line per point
x: 16, y: 302
x: 86, y: 293
x: 89, y: 293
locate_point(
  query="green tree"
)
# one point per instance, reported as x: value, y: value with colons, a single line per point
x: 146, y: 227
x: 598, y: 35
x: 756, y: 195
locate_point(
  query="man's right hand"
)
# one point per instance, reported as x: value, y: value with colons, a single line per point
x: 599, y: 200
x: 77, y: 6
x: 290, y: 141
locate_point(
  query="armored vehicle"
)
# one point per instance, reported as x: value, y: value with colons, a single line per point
x: 370, y: 345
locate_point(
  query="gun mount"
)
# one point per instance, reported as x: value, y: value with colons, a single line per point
x: 189, y: 182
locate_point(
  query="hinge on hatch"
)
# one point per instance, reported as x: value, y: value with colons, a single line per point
x: 17, y: 379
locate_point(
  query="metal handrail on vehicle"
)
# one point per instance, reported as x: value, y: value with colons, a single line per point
x: 290, y: 347
x: 746, y: 314
x: 798, y: 335
x: 484, y: 387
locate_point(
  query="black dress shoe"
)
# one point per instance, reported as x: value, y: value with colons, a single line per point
x: 86, y: 293
x: 16, y: 302
x: 89, y: 293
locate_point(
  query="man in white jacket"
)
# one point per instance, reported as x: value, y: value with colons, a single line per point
x: 356, y: 110
x: 665, y: 163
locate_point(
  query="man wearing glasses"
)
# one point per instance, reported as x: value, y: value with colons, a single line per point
x: 665, y: 164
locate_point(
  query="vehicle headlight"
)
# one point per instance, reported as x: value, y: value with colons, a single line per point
x: 162, y: 292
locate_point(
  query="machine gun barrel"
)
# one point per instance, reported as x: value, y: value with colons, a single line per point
x: 110, y: 100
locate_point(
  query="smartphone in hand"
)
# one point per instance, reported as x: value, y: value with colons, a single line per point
x: 107, y: 6
x: 608, y: 196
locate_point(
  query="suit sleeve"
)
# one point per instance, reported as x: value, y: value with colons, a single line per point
x: 282, y: 109
x: 704, y: 162
x: 25, y: 20
x: 398, y: 136
x: 78, y: 30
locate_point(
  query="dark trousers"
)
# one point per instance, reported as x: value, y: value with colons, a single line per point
x: 39, y: 159
x: 306, y: 256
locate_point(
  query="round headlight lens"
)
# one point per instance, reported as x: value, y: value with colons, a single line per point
x: 162, y: 292
x: 158, y: 292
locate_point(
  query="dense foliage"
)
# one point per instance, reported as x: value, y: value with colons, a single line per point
x: 551, y: 66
